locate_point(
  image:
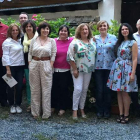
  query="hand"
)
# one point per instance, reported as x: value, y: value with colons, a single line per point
x: 8, y: 73
x: 132, y: 77
x: 76, y: 73
x: 94, y: 39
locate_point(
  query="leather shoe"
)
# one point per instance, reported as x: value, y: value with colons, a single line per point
x: 106, y: 115
x: 99, y: 115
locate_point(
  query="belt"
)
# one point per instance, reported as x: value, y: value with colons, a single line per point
x: 42, y: 58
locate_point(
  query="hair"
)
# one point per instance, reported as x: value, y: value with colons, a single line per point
x: 43, y: 25
x: 24, y: 13
x: 9, y: 32
x: 138, y: 21
x: 78, y: 31
x: 121, y: 37
x: 101, y: 22
x: 64, y: 26
x: 32, y: 24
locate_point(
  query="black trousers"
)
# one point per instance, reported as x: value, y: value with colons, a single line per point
x: 3, y: 85
x: 134, y: 95
x: 15, y: 93
x: 103, y: 93
x: 60, y: 96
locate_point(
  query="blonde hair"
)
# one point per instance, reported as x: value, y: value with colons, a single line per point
x: 78, y: 31
x: 101, y: 22
x: 9, y: 32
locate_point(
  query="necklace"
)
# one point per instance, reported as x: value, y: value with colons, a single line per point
x: 43, y: 42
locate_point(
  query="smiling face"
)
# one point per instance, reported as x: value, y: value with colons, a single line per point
x: 29, y: 28
x: 84, y: 32
x: 125, y: 31
x: 15, y: 32
x: 44, y: 31
x: 63, y: 34
x: 103, y: 28
x: 23, y: 18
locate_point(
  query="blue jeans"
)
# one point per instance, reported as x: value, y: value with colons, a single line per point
x: 15, y: 93
x: 103, y: 93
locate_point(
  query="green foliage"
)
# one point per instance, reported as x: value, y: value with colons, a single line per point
x: 9, y: 21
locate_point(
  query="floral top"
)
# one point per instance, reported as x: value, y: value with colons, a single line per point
x: 83, y: 54
x: 105, y: 51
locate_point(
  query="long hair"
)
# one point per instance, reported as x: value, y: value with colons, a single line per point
x: 121, y: 37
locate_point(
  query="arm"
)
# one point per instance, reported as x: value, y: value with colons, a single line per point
x: 53, y: 52
x: 74, y: 69
x: 134, y: 61
x: 8, y: 71
x: 30, y: 51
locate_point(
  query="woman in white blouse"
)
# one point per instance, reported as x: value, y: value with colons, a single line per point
x: 41, y: 58
x: 13, y: 59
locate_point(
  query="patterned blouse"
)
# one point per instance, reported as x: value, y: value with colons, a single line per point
x: 83, y: 54
x: 49, y: 50
x: 105, y: 51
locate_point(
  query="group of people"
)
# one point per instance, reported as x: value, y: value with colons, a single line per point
x: 48, y: 65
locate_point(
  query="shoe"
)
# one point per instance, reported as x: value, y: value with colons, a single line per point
x: 18, y: 109
x: 75, y: 118
x: 99, y: 115
x: 61, y: 112
x: 106, y: 115
x: 13, y: 110
x: 120, y: 118
x: 84, y: 116
x: 125, y: 120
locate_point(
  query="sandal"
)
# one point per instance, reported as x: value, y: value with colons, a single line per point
x: 61, y: 112
x: 125, y: 120
x: 120, y: 118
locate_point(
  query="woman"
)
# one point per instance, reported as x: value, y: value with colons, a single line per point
x: 104, y: 59
x: 29, y: 29
x: 122, y: 77
x: 13, y: 59
x: 81, y: 55
x: 41, y: 58
x: 61, y: 76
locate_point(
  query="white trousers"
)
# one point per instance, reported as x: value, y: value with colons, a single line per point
x: 40, y: 77
x: 80, y: 90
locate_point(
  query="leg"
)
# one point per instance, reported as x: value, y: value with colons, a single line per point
x: 34, y: 79
x: 28, y: 91
x: 86, y: 81
x: 55, y: 91
x: 107, y: 95
x: 3, y: 85
x: 120, y: 102
x: 19, y: 78
x: 78, y: 85
x: 99, y: 91
x: 46, y: 85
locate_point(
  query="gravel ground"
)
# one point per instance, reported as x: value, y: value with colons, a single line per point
x: 24, y: 127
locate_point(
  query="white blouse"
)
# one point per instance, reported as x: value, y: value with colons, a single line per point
x: 12, y: 53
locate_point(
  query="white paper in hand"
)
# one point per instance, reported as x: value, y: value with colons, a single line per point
x: 10, y: 81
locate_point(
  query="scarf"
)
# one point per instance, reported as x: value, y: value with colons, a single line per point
x: 27, y: 42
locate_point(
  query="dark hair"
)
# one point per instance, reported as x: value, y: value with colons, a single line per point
x: 32, y: 24
x: 121, y: 37
x: 43, y: 25
x: 24, y: 13
x: 64, y: 26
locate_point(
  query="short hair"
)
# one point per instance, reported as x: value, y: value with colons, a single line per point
x: 32, y: 24
x: 101, y: 22
x: 138, y: 21
x: 24, y: 13
x: 43, y: 25
x: 64, y: 26
x: 78, y: 31
x: 9, y: 32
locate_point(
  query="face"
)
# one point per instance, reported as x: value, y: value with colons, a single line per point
x: 138, y: 25
x: 15, y: 32
x: 125, y: 31
x: 63, y: 34
x: 45, y: 31
x: 29, y: 28
x: 23, y: 18
x: 103, y: 28
x: 84, y: 32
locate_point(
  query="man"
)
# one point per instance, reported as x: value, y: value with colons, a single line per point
x: 3, y: 94
x: 134, y: 95
x: 22, y: 18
